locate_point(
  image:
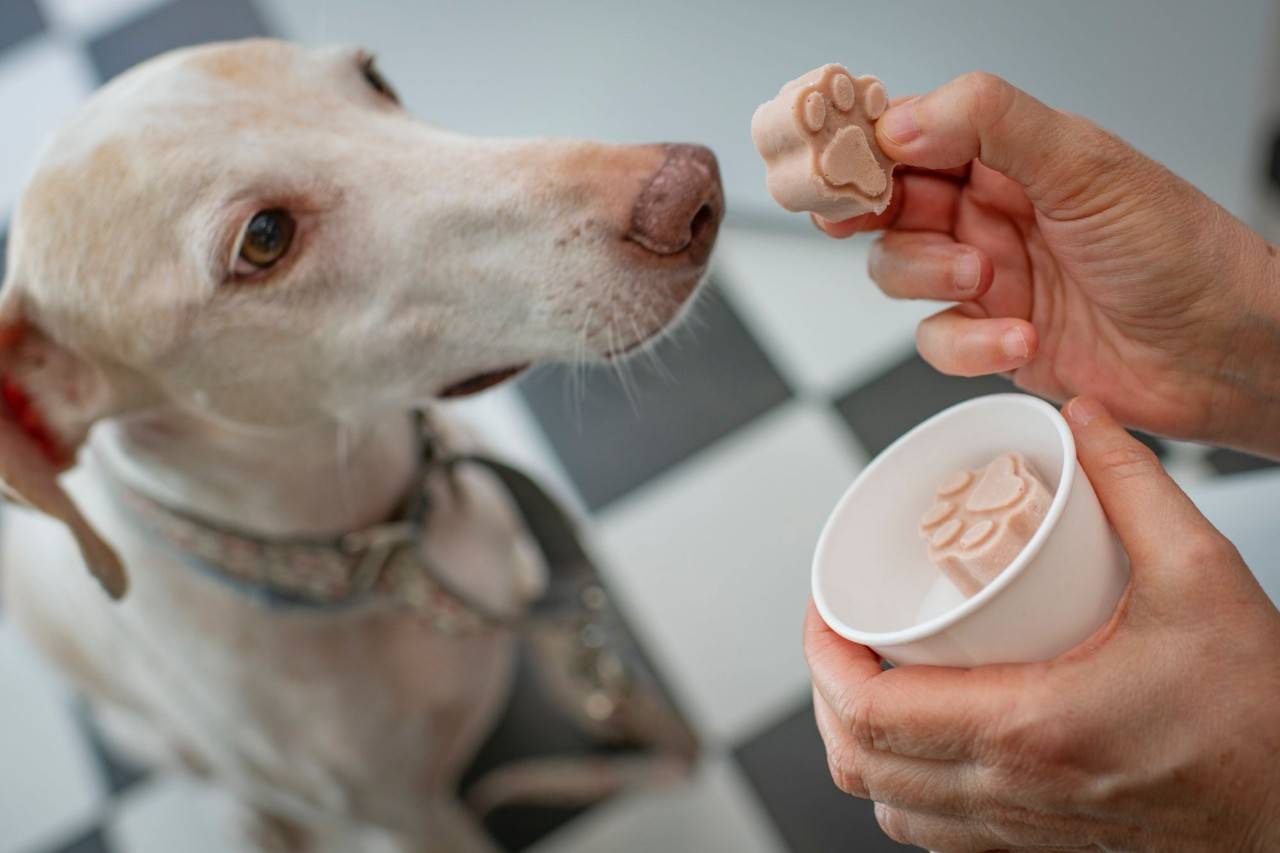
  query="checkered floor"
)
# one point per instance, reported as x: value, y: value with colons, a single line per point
x: 705, y: 477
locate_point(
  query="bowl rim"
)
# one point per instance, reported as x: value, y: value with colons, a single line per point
x: 938, y: 624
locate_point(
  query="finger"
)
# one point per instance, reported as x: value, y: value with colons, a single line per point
x: 929, y: 203
x: 920, y: 202
x: 844, y: 759
x: 935, y: 832
x: 938, y: 713
x: 867, y: 221
x: 938, y: 787
x: 839, y: 668
x: 858, y: 224
x: 925, y: 265
x: 946, y: 834
x: 961, y: 344
x: 1140, y: 499
x: 1058, y: 157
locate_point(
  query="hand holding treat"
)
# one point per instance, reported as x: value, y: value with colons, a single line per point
x: 1079, y: 265
x: 818, y: 140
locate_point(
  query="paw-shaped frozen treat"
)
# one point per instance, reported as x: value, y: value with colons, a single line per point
x: 818, y: 142
x: 982, y: 519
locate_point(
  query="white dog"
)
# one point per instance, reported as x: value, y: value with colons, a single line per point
x: 248, y: 265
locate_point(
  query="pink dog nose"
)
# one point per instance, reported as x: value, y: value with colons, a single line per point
x: 681, y: 207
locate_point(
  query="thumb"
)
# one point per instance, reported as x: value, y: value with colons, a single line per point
x: 1061, y: 160
x: 838, y: 667
x: 1141, y: 500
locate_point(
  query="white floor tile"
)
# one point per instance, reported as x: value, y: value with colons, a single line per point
x: 91, y: 17
x: 810, y: 302
x: 170, y: 814
x: 41, y: 83
x: 49, y: 783
x: 1242, y: 506
x: 1187, y: 463
x: 714, y: 811
x: 712, y: 560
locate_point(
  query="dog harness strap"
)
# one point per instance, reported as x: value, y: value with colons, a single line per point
x: 571, y: 571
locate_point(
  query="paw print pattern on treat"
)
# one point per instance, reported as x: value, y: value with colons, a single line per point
x: 818, y: 142
x: 982, y: 520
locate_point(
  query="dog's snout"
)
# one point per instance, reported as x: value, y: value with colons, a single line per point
x: 681, y: 205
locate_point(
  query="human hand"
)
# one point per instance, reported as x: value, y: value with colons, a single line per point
x: 1160, y: 732
x: 1080, y: 266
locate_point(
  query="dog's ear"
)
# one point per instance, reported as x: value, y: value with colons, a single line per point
x: 49, y: 397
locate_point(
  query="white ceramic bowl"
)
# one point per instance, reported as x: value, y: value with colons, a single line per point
x: 873, y: 581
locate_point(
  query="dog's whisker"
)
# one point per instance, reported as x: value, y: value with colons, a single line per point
x: 659, y: 366
x: 579, y: 366
x: 626, y: 375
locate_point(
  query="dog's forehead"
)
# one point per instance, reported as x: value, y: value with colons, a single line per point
x: 168, y: 126
x: 114, y: 188
x: 210, y: 85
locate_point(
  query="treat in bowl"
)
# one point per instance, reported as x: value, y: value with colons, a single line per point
x: 982, y: 520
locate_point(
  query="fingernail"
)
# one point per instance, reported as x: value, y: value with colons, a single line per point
x: 873, y: 258
x: 967, y: 272
x: 1013, y: 344
x: 1082, y: 410
x: 899, y: 123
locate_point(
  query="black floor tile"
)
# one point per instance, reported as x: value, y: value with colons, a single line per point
x: 118, y: 773
x: 1151, y: 441
x: 885, y: 407
x: 882, y: 409
x: 176, y: 24
x: 716, y: 379
x: 529, y: 728
x: 532, y: 726
x: 19, y: 20
x: 1234, y: 462
x: 91, y: 842
x: 787, y: 767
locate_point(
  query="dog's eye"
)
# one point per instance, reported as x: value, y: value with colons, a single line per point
x: 266, y: 240
x: 376, y: 81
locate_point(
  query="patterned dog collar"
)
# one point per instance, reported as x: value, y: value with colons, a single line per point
x: 383, y: 565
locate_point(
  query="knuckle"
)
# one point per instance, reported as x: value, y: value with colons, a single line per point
x: 844, y: 773
x: 936, y: 348
x: 893, y: 823
x: 991, y: 94
x: 1033, y: 739
x: 1130, y: 459
x: 863, y: 720
x: 1209, y: 549
x: 1105, y: 148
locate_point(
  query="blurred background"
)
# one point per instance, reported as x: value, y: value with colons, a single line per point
x: 705, y: 480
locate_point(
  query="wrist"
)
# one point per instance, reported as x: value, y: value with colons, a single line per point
x: 1246, y: 403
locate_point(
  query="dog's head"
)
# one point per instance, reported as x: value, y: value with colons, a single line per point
x: 259, y: 233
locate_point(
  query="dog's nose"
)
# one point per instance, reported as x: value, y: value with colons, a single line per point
x: 681, y: 206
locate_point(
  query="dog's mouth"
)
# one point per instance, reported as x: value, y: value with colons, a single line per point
x: 482, y: 382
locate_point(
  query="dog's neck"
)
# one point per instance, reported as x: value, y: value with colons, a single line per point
x: 322, y: 479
